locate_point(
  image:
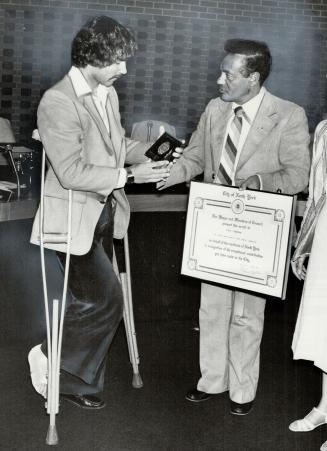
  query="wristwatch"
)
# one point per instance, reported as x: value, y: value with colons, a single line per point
x: 130, y: 176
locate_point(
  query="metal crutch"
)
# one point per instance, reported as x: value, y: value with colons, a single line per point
x: 54, y: 339
x: 128, y: 316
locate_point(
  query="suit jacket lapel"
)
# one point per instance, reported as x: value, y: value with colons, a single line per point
x: 92, y: 109
x: 218, y: 124
x: 266, y: 119
x: 115, y: 129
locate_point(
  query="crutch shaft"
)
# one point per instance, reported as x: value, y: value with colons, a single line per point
x: 54, y: 340
x: 133, y: 355
x: 53, y: 392
x: 129, y: 317
x: 131, y: 335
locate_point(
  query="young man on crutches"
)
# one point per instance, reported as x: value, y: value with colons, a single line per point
x: 86, y: 149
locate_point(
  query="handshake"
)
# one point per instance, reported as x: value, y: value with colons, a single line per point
x: 162, y: 155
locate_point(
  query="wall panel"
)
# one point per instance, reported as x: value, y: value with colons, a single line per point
x: 174, y: 73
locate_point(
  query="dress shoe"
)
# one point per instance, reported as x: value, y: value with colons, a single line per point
x: 85, y: 401
x: 196, y: 395
x: 240, y: 409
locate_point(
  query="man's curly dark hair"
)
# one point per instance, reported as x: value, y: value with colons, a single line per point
x: 102, y: 41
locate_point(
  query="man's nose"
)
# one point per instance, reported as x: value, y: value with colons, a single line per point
x: 122, y: 67
x: 221, y: 79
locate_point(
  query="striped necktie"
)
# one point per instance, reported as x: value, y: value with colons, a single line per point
x: 228, y: 156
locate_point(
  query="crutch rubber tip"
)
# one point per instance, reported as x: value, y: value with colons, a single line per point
x: 52, y: 436
x: 137, y: 381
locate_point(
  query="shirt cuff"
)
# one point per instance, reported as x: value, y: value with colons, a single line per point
x: 260, y: 181
x: 122, y: 177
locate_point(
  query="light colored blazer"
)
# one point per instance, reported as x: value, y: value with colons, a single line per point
x: 276, y: 148
x: 84, y: 158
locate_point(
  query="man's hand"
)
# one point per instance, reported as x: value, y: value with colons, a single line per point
x: 298, y: 267
x: 177, y: 154
x: 150, y: 171
x: 178, y: 151
x: 252, y: 182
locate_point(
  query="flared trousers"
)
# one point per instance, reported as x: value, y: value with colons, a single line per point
x: 93, y: 314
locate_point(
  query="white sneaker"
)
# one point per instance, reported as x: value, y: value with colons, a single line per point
x: 39, y: 370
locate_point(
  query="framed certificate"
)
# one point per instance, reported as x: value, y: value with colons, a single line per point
x: 239, y: 238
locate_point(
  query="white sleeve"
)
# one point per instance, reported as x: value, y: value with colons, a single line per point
x: 122, y: 177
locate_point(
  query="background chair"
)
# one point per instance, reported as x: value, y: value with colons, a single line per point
x: 147, y: 131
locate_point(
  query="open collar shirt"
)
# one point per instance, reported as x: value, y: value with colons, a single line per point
x: 99, y: 96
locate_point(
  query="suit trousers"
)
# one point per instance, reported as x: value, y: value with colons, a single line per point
x: 93, y: 313
x: 231, y: 326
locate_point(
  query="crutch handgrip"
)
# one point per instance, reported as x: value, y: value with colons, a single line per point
x: 55, y: 238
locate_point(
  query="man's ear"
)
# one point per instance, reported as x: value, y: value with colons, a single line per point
x: 254, y: 77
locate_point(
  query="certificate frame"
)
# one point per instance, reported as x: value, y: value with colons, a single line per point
x: 239, y: 238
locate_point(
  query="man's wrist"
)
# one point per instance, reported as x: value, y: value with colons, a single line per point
x: 121, y: 181
x: 129, y: 176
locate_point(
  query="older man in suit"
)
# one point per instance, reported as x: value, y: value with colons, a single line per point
x: 251, y: 139
x: 79, y: 125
